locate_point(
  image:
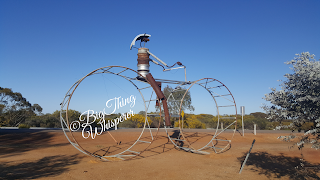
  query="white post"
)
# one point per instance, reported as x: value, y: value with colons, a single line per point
x: 221, y: 125
x: 242, y: 113
x: 254, y: 129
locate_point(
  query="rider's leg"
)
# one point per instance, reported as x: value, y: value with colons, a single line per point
x: 161, y: 96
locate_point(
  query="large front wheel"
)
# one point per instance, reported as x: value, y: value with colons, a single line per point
x: 104, y: 114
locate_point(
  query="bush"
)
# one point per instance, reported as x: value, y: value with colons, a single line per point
x: 192, y: 122
x: 24, y: 126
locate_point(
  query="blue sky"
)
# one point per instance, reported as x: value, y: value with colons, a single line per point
x: 46, y: 46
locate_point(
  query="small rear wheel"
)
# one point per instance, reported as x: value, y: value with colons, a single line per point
x: 211, y: 122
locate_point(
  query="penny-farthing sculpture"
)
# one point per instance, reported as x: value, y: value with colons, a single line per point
x: 116, y: 103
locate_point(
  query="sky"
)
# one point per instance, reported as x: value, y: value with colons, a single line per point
x: 46, y: 46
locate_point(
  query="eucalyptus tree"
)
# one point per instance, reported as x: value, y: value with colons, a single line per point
x: 175, y: 96
x: 14, y: 108
x: 298, y: 101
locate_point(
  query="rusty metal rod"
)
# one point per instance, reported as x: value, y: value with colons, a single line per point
x: 113, y: 137
x: 161, y: 96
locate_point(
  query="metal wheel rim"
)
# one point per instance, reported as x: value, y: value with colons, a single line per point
x: 66, y: 125
x: 199, y: 150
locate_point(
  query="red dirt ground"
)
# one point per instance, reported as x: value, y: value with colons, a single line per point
x: 47, y: 154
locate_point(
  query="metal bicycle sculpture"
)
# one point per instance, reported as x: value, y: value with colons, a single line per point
x: 92, y: 125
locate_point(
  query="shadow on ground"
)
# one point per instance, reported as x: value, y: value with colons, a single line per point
x: 274, y: 166
x: 160, y: 145
x: 45, y: 167
x: 16, y: 143
x: 157, y: 150
x: 207, y: 142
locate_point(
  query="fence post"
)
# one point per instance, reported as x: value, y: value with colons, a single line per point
x: 242, y: 114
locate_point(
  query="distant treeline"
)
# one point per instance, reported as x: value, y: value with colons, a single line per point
x: 192, y: 121
x: 204, y: 121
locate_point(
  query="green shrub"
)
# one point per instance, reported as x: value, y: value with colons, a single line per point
x: 24, y: 126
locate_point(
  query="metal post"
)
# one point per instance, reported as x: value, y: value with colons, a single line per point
x: 185, y: 74
x: 242, y: 113
x: 244, y: 162
x: 221, y: 125
x: 254, y: 129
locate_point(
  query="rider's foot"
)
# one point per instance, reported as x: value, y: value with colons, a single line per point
x: 141, y: 78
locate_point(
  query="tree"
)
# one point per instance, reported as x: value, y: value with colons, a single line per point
x: 259, y: 115
x: 13, y: 99
x: 36, y: 108
x: 174, y: 96
x: 299, y: 99
x: 14, y: 108
x: 260, y: 119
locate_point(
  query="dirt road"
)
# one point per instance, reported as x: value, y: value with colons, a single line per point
x: 44, y: 154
